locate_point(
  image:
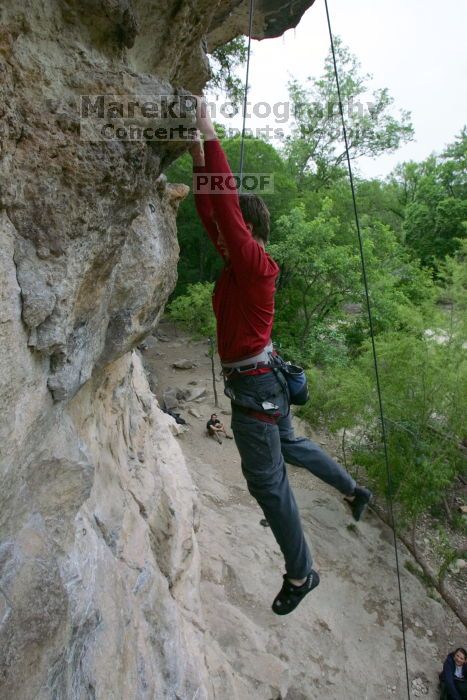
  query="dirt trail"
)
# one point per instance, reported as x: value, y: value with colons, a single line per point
x: 344, y: 641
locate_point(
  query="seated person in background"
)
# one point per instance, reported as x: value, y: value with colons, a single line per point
x: 453, y: 677
x: 214, y: 427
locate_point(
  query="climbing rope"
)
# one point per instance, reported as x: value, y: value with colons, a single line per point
x: 373, y: 346
x: 245, y: 92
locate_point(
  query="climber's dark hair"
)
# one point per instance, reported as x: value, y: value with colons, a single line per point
x: 462, y: 650
x: 256, y: 213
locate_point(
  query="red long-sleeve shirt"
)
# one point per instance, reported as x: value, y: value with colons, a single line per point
x: 243, y: 299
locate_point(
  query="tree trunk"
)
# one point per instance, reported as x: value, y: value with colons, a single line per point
x: 437, y: 583
x: 213, y: 371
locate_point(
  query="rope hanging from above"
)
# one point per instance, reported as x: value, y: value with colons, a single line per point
x: 373, y: 345
x: 245, y: 92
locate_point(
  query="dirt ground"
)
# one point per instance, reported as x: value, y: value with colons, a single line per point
x: 344, y: 641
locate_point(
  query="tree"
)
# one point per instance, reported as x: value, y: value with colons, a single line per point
x: 454, y: 166
x: 194, y: 310
x: 261, y: 157
x: 225, y: 60
x: 317, y: 276
x: 400, y: 290
x: 452, y: 295
x: 423, y: 376
x: 316, y: 145
x: 433, y: 194
x: 423, y: 383
x: 321, y: 275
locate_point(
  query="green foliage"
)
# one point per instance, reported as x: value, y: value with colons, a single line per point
x: 452, y: 294
x: 434, y: 196
x: 379, y: 201
x: 316, y: 275
x: 224, y: 61
x: 424, y: 383
x: 420, y: 574
x: 194, y: 311
x: 459, y: 523
x: 321, y: 275
x: 453, y: 163
x: 316, y: 143
x: 400, y: 290
x: 445, y: 552
x: 261, y: 157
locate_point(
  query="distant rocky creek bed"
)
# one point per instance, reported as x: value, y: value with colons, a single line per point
x: 345, y: 640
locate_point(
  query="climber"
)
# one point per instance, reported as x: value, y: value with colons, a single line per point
x: 243, y: 301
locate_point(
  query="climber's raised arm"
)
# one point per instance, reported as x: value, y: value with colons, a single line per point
x: 232, y: 236
x: 202, y: 198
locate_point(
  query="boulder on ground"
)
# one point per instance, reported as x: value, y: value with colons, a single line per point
x: 192, y: 394
x: 184, y: 364
x: 169, y: 396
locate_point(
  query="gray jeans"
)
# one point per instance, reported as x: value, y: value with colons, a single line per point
x: 264, y: 448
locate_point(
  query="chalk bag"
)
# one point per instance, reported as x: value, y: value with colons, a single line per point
x: 296, y: 382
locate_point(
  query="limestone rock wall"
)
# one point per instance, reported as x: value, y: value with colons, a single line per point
x: 99, y: 566
x: 98, y: 559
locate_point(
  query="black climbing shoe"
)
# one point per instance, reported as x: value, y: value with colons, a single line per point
x: 290, y: 596
x: 362, y: 498
x: 264, y: 522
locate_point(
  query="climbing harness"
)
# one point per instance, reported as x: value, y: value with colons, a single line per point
x: 367, y: 298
